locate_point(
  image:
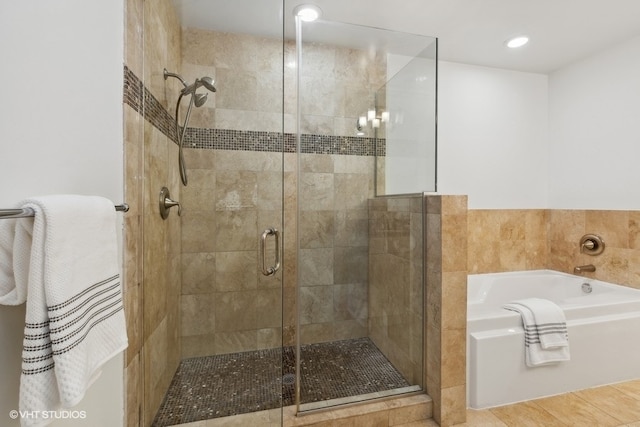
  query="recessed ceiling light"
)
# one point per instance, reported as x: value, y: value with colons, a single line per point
x: 517, y: 41
x: 307, y: 12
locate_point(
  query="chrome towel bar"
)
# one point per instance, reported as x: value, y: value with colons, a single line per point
x: 28, y: 212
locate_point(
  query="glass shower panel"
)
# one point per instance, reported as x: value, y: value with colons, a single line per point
x: 408, y: 100
x: 346, y: 343
x: 229, y: 337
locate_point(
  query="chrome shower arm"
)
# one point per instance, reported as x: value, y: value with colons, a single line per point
x: 177, y: 76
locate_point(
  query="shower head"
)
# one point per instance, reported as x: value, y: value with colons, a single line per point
x: 205, y: 81
x: 199, y: 99
x: 188, y: 89
x: 208, y: 83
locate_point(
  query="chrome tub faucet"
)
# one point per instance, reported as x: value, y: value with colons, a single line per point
x: 584, y: 269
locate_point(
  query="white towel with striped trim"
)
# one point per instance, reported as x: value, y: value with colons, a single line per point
x: 545, y: 331
x: 74, y: 312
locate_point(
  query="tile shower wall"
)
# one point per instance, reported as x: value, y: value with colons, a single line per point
x: 227, y: 304
x: 333, y: 262
x: 232, y: 197
x: 248, y: 75
x: 161, y: 269
x: 235, y: 180
x: 151, y: 257
x: 132, y: 242
x: 396, y: 260
x: 339, y: 83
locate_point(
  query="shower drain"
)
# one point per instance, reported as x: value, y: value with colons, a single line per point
x: 288, y: 379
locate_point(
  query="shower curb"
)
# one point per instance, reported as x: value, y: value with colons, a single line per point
x: 395, y: 411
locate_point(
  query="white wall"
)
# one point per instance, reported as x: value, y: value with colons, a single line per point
x: 594, y: 123
x: 410, y: 165
x: 60, y: 132
x: 567, y: 141
x: 492, y: 136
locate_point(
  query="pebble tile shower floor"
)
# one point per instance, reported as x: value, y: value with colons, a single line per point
x: 232, y: 384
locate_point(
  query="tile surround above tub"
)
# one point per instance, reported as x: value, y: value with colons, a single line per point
x: 137, y: 96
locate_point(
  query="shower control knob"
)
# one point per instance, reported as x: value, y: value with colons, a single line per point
x: 166, y: 203
x: 591, y: 244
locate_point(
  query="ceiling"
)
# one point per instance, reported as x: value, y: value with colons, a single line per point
x: 468, y: 31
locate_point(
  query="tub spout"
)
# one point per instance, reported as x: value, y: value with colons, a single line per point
x: 584, y: 268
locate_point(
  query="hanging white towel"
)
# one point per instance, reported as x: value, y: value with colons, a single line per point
x: 64, y: 262
x: 15, y: 253
x: 545, y: 331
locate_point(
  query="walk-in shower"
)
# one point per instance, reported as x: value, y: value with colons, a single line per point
x: 278, y: 149
x: 197, y: 99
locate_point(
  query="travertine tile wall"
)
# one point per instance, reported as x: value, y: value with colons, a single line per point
x: 152, y: 246
x: 132, y: 244
x: 620, y: 261
x: 161, y: 273
x: 396, y: 260
x: 230, y: 188
x: 333, y: 262
x: 248, y: 76
x: 528, y: 239
x: 507, y: 240
x: 133, y: 251
x: 161, y: 268
x: 446, y: 300
x: 227, y: 304
x: 339, y: 84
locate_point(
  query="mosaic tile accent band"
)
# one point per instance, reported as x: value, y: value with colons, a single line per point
x: 142, y: 101
x: 138, y: 97
x: 231, y: 384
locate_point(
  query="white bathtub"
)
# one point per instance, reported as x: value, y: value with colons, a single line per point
x: 604, y: 336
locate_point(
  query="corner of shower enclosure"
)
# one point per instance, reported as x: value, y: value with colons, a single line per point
x: 365, y: 127
x: 285, y: 160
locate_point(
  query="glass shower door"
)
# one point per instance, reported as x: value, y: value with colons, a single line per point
x: 217, y: 352
x: 233, y: 318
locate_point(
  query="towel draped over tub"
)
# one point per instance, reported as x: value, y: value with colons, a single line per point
x: 64, y: 264
x: 545, y: 331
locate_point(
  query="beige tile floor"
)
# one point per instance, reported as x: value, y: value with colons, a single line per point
x: 613, y: 405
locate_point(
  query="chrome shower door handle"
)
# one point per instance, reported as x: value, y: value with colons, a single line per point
x: 270, y: 271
